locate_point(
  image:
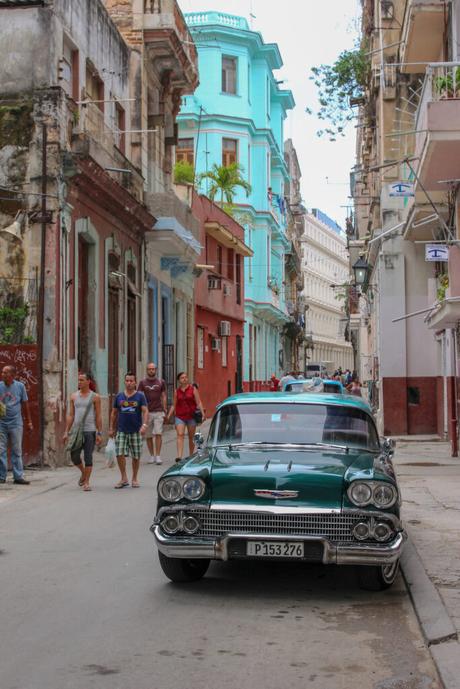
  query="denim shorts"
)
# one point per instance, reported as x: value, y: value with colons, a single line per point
x: 186, y: 422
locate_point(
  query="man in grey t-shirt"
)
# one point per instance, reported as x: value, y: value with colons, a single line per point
x: 13, y: 405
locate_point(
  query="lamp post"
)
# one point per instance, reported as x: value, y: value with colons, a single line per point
x: 361, y: 270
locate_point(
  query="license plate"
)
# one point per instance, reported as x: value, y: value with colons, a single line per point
x: 274, y: 549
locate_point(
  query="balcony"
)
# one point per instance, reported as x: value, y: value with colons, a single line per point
x: 446, y: 313
x: 437, y: 123
x: 422, y: 223
x: 422, y: 34
x: 169, y: 43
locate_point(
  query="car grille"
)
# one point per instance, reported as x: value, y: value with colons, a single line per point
x: 335, y: 527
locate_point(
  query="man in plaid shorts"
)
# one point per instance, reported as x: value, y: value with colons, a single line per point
x: 129, y: 421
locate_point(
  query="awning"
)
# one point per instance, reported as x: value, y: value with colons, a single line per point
x: 225, y: 237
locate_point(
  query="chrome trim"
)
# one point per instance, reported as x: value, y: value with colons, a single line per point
x: 272, y: 509
x: 381, y: 516
x: 276, y: 494
x: 217, y: 549
x: 373, y: 484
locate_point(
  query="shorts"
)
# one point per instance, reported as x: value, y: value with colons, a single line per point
x: 89, y: 441
x: 184, y: 422
x: 128, y: 445
x: 155, y: 424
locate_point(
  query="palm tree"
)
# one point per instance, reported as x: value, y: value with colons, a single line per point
x: 225, y: 180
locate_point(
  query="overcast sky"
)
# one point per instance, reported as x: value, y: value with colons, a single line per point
x: 309, y: 33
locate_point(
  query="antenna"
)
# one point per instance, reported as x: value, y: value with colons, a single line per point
x: 252, y: 16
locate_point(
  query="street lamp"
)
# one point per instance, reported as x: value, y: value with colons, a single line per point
x: 361, y: 270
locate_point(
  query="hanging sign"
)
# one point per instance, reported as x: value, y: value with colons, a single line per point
x: 436, y: 252
x: 401, y: 189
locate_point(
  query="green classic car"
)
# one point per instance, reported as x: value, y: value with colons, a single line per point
x: 284, y: 477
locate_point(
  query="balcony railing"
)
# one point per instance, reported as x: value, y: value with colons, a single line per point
x: 230, y: 20
x: 442, y: 83
x: 94, y: 122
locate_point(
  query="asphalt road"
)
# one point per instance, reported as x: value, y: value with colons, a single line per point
x: 85, y: 604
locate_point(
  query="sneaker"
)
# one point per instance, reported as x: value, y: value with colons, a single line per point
x: 22, y: 481
x: 151, y: 460
x: 158, y: 460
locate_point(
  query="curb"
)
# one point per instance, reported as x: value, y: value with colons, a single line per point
x: 437, y: 627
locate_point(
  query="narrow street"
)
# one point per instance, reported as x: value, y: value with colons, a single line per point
x: 86, y: 605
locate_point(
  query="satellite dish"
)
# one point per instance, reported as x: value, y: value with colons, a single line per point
x: 14, y: 231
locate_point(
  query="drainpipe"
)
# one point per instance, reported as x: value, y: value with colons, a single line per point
x: 41, y: 298
x: 444, y: 385
x: 453, y: 398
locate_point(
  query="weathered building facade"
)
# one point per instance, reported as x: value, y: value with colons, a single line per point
x: 219, y: 304
x: 87, y: 137
x: 405, y: 188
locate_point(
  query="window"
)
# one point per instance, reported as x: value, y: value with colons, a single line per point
x: 120, y: 127
x: 94, y: 87
x: 238, y: 279
x: 68, y: 70
x: 229, y: 67
x: 229, y: 152
x: 184, y: 151
x: 200, y: 346
x: 230, y: 263
x: 219, y: 260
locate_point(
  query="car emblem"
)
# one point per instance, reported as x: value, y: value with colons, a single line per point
x: 279, y: 494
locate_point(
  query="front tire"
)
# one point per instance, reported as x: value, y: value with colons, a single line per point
x: 183, y: 570
x: 377, y: 578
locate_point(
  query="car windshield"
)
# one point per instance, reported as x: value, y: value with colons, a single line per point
x: 303, y: 424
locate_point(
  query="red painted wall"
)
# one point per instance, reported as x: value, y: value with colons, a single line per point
x: 25, y: 359
x: 401, y: 416
x: 212, y: 306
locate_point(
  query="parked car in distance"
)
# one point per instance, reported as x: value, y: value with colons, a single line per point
x: 315, y: 385
x: 284, y: 477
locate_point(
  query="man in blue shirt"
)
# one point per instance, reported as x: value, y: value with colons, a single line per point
x: 128, y: 423
x: 13, y: 404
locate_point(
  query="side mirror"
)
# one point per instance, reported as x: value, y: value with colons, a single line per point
x: 389, y: 446
x: 199, y: 440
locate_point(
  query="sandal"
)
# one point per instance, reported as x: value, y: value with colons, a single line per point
x: 81, y: 481
x: 135, y: 484
x: 122, y: 484
x: 87, y: 488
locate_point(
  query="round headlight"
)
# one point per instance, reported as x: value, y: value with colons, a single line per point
x: 384, y: 495
x: 382, y: 532
x: 190, y: 524
x: 193, y: 488
x: 170, y: 524
x: 170, y: 490
x: 361, y: 531
x: 360, y: 493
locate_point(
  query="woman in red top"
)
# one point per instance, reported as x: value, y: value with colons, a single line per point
x: 186, y: 403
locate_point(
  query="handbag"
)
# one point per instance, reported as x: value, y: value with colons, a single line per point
x: 198, y: 416
x: 76, y: 437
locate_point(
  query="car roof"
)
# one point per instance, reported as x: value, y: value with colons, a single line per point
x: 298, y: 398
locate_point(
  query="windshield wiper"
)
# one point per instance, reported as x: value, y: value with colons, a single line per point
x: 267, y: 443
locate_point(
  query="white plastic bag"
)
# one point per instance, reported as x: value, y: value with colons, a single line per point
x: 110, y: 453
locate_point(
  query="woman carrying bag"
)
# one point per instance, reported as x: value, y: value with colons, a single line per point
x: 83, y: 428
x: 188, y: 411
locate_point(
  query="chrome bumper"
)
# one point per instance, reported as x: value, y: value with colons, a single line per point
x: 333, y: 554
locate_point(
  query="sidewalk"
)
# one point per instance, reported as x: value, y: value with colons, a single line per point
x: 45, y: 480
x: 430, y: 484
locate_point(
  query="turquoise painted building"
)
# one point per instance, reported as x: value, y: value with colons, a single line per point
x: 237, y: 114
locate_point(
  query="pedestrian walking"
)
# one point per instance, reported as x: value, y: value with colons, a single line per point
x: 154, y: 389
x: 14, y: 406
x: 188, y: 411
x: 84, y: 428
x: 274, y: 383
x: 128, y: 423
x: 355, y: 387
x: 287, y: 378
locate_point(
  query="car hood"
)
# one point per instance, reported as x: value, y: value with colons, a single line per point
x: 314, y: 478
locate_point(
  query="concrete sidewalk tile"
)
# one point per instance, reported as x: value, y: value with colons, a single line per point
x: 447, y: 659
x: 431, y: 612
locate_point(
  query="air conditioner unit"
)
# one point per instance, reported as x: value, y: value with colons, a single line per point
x: 225, y: 328
x: 214, y: 283
x: 227, y: 290
x: 215, y: 344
